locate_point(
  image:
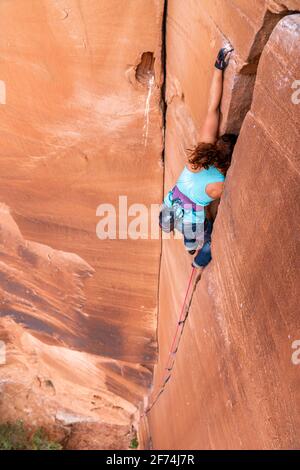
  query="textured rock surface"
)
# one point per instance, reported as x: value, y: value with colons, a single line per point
x: 63, y: 391
x: 72, y: 393
x: 234, y: 384
x: 78, y: 315
x: 74, y: 134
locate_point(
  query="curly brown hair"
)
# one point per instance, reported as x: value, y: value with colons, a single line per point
x: 219, y: 154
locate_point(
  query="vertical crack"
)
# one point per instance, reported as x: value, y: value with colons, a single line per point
x: 163, y: 104
x: 164, y: 67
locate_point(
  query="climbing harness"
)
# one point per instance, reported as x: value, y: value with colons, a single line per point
x: 176, y: 339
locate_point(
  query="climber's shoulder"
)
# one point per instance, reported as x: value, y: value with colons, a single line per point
x: 214, y: 190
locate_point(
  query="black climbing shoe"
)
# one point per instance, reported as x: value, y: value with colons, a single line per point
x: 196, y: 266
x: 221, y: 62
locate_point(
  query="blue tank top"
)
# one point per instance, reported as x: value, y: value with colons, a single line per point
x: 193, y: 184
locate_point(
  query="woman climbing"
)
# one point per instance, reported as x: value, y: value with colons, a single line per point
x: 202, y: 180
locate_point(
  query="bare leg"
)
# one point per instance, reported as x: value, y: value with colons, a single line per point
x: 216, y: 90
x: 209, y: 131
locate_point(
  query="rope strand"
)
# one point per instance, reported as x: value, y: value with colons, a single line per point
x: 172, y: 353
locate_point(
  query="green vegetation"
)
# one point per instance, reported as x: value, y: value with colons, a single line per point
x: 40, y: 441
x: 14, y: 436
x: 134, y: 443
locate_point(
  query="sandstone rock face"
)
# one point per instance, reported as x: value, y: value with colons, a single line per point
x: 65, y: 391
x: 235, y: 383
x: 80, y: 125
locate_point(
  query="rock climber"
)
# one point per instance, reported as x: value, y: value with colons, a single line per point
x: 202, y: 180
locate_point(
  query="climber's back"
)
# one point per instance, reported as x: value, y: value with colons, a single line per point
x: 194, y: 184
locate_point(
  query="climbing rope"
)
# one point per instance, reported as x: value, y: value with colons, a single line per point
x: 176, y: 340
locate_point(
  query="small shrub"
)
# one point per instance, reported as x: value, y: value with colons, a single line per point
x: 14, y: 436
x: 134, y: 443
x: 40, y: 441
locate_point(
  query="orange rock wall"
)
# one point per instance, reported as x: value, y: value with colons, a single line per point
x: 78, y: 315
x: 234, y: 385
x: 75, y: 134
x: 72, y: 138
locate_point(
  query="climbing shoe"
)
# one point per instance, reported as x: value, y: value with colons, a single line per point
x: 222, y: 59
x: 197, y: 266
x: 203, y: 257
